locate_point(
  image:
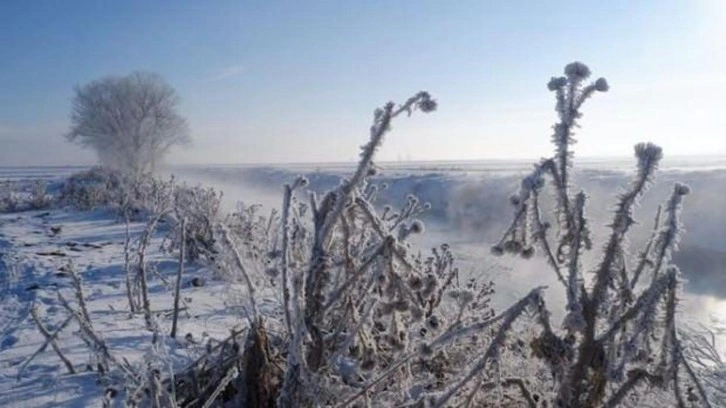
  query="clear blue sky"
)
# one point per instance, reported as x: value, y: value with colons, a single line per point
x: 270, y: 81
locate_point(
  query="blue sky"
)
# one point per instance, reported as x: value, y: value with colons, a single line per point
x: 270, y: 81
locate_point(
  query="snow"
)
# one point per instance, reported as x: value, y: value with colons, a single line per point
x: 33, y: 262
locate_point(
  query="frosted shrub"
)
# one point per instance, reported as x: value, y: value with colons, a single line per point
x: 23, y: 196
x: 135, y: 196
x: 9, y: 199
x: 95, y: 188
x: 363, y: 314
x: 369, y: 319
x: 256, y: 239
x: 39, y: 198
x: 200, y: 208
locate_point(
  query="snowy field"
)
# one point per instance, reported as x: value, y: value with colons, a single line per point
x: 34, y: 267
x: 468, y: 210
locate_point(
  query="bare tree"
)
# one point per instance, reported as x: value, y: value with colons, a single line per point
x: 130, y: 121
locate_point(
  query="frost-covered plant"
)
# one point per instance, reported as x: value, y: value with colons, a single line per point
x: 368, y: 317
x: 200, y: 208
x: 102, y: 360
x: 9, y: 200
x: 131, y: 196
x: 250, y: 242
x: 18, y: 195
x: 619, y: 333
x: 95, y: 188
x: 159, y: 202
x: 150, y: 372
x: 699, y: 349
x: 39, y: 198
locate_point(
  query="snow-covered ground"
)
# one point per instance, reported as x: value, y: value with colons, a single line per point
x: 37, y: 248
x: 469, y: 210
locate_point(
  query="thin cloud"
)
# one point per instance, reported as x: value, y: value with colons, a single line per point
x: 226, y: 73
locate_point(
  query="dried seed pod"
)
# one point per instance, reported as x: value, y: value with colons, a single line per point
x: 417, y: 227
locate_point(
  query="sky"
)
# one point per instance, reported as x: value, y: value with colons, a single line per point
x: 293, y: 81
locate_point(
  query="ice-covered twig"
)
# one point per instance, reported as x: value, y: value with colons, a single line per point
x: 496, y: 343
x: 381, y: 124
x: 292, y: 383
x: 180, y: 272
x: 643, y: 257
x: 649, y: 297
x: 133, y: 307
x: 94, y: 340
x: 648, y: 156
x: 79, y: 293
x: 669, y: 235
x: 50, y: 338
x: 694, y: 378
x: 251, y: 291
x: 231, y: 375
x: 143, y: 275
x: 635, y: 377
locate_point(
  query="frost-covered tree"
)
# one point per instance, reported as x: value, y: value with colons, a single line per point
x: 130, y: 121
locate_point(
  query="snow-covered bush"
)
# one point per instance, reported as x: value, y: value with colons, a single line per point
x: 39, y: 198
x: 255, y: 237
x: 95, y: 188
x: 135, y: 196
x: 200, y: 208
x: 21, y: 195
x: 9, y: 199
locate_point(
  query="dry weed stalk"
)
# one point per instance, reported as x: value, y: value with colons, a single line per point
x: 50, y: 338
